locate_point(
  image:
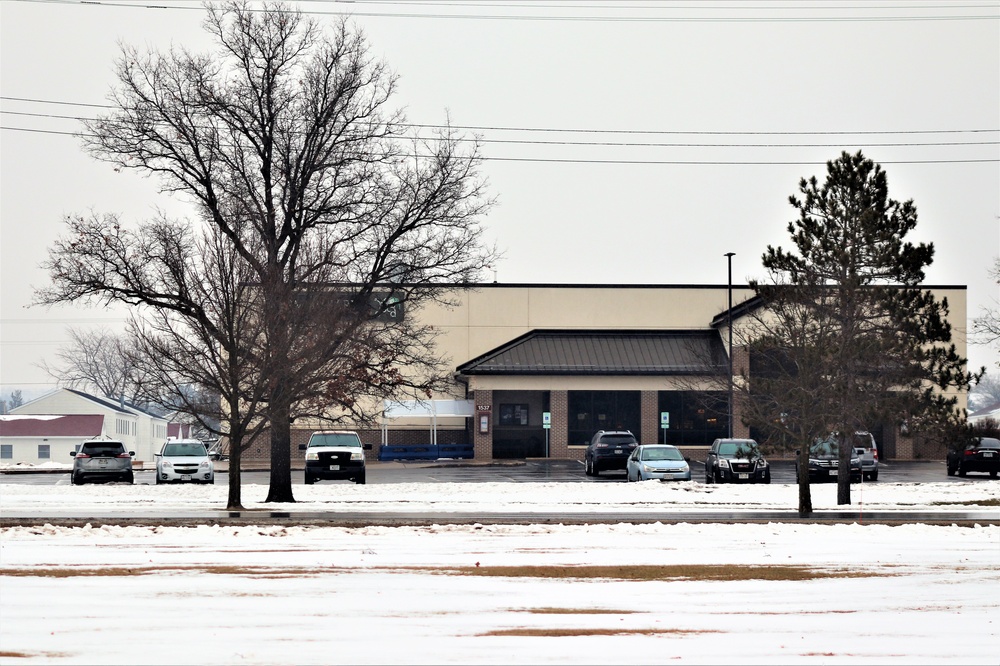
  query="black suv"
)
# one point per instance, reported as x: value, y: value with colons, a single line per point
x: 736, y: 460
x: 609, y: 449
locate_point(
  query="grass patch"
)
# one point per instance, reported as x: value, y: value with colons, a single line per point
x: 993, y: 501
x: 576, y: 611
x: 648, y: 572
x: 567, y: 633
x: 227, y: 570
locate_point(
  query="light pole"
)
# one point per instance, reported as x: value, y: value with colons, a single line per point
x: 729, y: 314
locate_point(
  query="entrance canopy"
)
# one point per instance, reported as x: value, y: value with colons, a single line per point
x: 424, y: 409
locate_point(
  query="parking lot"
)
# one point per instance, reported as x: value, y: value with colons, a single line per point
x: 554, y: 471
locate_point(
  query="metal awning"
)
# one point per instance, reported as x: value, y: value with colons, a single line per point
x: 620, y: 352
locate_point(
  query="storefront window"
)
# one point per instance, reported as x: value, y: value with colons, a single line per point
x: 590, y: 411
x: 697, y: 418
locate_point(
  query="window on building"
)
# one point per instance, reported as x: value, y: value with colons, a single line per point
x: 6, y: 451
x: 697, y: 418
x: 590, y: 411
x: 43, y: 452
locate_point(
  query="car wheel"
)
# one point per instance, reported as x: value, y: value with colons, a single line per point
x: 129, y: 478
x: 77, y: 479
x: 767, y: 476
x: 628, y: 475
x: 874, y: 476
x: 211, y: 481
x: 587, y: 469
x: 360, y: 479
x: 156, y: 478
x: 993, y: 474
x: 961, y: 472
x: 951, y: 470
x: 709, y: 477
x: 310, y: 480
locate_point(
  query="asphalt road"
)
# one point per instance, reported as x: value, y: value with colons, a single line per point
x: 560, y: 471
x: 557, y: 471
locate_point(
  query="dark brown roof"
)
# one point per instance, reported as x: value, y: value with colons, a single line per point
x: 632, y: 352
x: 71, y: 425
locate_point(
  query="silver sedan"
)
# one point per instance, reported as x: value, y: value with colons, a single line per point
x: 657, y: 461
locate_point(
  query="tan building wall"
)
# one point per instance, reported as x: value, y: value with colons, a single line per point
x: 489, y: 316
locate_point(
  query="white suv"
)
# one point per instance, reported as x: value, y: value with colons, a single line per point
x: 184, y: 460
x: 866, y: 448
x: 335, y: 454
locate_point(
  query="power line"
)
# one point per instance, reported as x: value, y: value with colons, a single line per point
x: 636, y: 162
x: 581, y: 18
x: 623, y: 144
x: 568, y: 130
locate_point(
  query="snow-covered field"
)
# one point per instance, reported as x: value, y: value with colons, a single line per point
x: 300, y: 595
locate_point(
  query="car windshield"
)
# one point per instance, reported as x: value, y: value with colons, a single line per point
x: 662, y: 454
x: 617, y: 440
x: 825, y: 447
x: 989, y: 443
x: 103, y: 450
x: 741, y: 449
x: 181, y: 450
x: 335, y: 439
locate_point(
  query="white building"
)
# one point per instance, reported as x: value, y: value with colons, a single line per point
x: 139, y: 430
x: 45, y: 438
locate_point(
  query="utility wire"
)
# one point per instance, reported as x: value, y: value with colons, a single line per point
x: 576, y: 18
x: 494, y: 128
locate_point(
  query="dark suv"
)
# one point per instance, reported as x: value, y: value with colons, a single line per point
x: 102, y: 459
x: 737, y: 461
x: 609, y: 449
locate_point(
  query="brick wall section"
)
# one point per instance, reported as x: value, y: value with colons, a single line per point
x: 559, y: 433
x: 649, y: 417
x: 482, y: 443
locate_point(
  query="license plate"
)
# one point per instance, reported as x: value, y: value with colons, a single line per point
x: 744, y: 476
x: 101, y: 462
x: 185, y: 477
x: 618, y: 450
x: 334, y: 467
x: 987, y: 454
x: 833, y: 472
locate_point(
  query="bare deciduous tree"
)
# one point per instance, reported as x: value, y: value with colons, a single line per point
x: 284, y: 141
x: 97, y: 361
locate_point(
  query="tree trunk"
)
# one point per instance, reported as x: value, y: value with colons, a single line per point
x: 805, y: 495
x: 235, y: 501
x: 844, y: 451
x: 281, y: 459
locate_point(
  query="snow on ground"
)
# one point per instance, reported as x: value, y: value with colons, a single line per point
x: 500, y: 497
x: 287, y: 594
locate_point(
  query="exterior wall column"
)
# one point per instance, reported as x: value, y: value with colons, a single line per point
x: 741, y: 367
x: 559, y: 432
x: 649, y: 417
x: 482, y: 443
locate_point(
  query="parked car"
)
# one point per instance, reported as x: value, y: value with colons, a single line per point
x: 335, y: 454
x: 824, y: 462
x: 184, y: 460
x: 981, y: 455
x: 609, y: 450
x: 103, y: 459
x: 736, y: 461
x: 867, y: 450
x: 657, y: 461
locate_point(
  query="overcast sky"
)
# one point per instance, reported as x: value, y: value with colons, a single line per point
x: 633, y: 142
